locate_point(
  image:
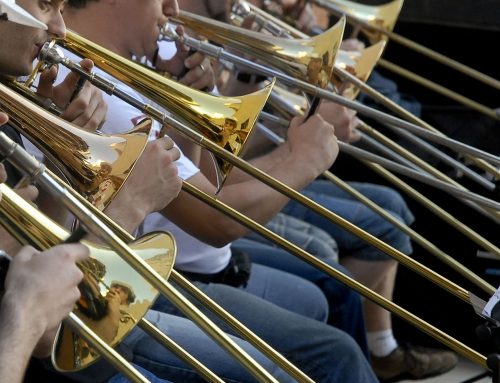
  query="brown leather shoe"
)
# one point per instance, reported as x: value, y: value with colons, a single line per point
x: 413, y: 362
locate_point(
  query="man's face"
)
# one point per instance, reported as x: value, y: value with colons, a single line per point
x: 121, y: 292
x: 19, y: 44
x: 142, y: 21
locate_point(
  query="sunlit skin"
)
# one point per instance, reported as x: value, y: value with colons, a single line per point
x: 20, y: 44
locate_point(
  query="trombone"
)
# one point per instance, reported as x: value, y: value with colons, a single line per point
x: 21, y: 109
x: 81, y: 328
x: 343, y: 70
x: 225, y: 34
x: 27, y: 117
x: 361, y: 66
x: 217, y: 30
x: 236, y: 161
x: 378, y: 22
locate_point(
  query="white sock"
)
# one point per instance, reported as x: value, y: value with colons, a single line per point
x: 381, y: 343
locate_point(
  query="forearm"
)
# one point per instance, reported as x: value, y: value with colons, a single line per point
x: 252, y: 198
x: 18, y: 338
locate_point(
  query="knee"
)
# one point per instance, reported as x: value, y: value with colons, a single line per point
x: 314, y: 302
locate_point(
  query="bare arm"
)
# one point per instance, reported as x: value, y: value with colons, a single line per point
x: 40, y: 290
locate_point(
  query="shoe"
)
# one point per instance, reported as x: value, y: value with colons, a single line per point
x: 413, y: 362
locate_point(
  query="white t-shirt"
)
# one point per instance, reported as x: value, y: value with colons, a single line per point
x: 192, y: 255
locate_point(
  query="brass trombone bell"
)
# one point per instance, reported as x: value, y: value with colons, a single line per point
x: 226, y: 121
x: 359, y: 64
x: 308, y: 59
x: 96, y: 164
x: 381, y: 16
x: 104, y: 269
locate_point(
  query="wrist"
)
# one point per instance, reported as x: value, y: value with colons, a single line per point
x: 127, y: 211
x: 16, y: 316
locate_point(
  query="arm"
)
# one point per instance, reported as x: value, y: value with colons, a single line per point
x: 40, y: 290
x: 310, y: 150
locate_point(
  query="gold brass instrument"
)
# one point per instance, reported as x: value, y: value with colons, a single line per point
x: 201, y: 24
x: 225, y: 120
x: 236, y: 161
x: 308, y: 59
x: 377, y: 22
x: 88, y: 215
x: 294, y: 103
x: 102, y: 163
x: 25, y: 223
x: 188, y: 310
x: 359, y: 64
x: 242, y: 8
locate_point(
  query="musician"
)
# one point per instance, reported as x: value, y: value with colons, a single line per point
x: 322, y: 350
x: 16, y: 59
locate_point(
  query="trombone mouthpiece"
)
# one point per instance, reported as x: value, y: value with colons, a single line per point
x: 51, y: 53
x: 168, y: 33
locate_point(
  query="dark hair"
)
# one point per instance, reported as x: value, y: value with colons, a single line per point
x: 78, y: 3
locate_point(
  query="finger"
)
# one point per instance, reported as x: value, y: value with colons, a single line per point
x: 81, y: 108
x: 195, y: 60
x: 297, y: 121
x: 85, y: 111
x: 25, y: 254
x: 169, y: 143
x: 3, y: 118
x: 193, y: 76
x: 181, y: 48
x: 97, y: 119
x: 175, y: 154
x: 46, y: 84
x: 78, y: 252
x: 66, y: 89
x: 29, y: 193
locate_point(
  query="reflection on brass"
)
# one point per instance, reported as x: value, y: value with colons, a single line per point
x: 381, y: 16
x: 114, y: 285
x: 359, y: 64
x: 95, y: 164
x: 226, y: 121
x: 308, y: 59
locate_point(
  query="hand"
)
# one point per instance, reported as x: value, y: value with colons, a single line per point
x: 194, y: 70
x: 154, y: 181
x: 313, y: 142
x: 85, y: 108
x: 45, y: 285
x: 344, y: 120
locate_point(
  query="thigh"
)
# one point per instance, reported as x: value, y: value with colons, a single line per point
x: 288, y: 291
x: 387, y: 198
x: 152, y: 356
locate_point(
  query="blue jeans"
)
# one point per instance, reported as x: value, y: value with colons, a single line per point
x: 346, y: 312
x: 152, y: 356
x: 119, y: 378
x: 323, y: 352
x: 333, y: 198
x: 306, y: 236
